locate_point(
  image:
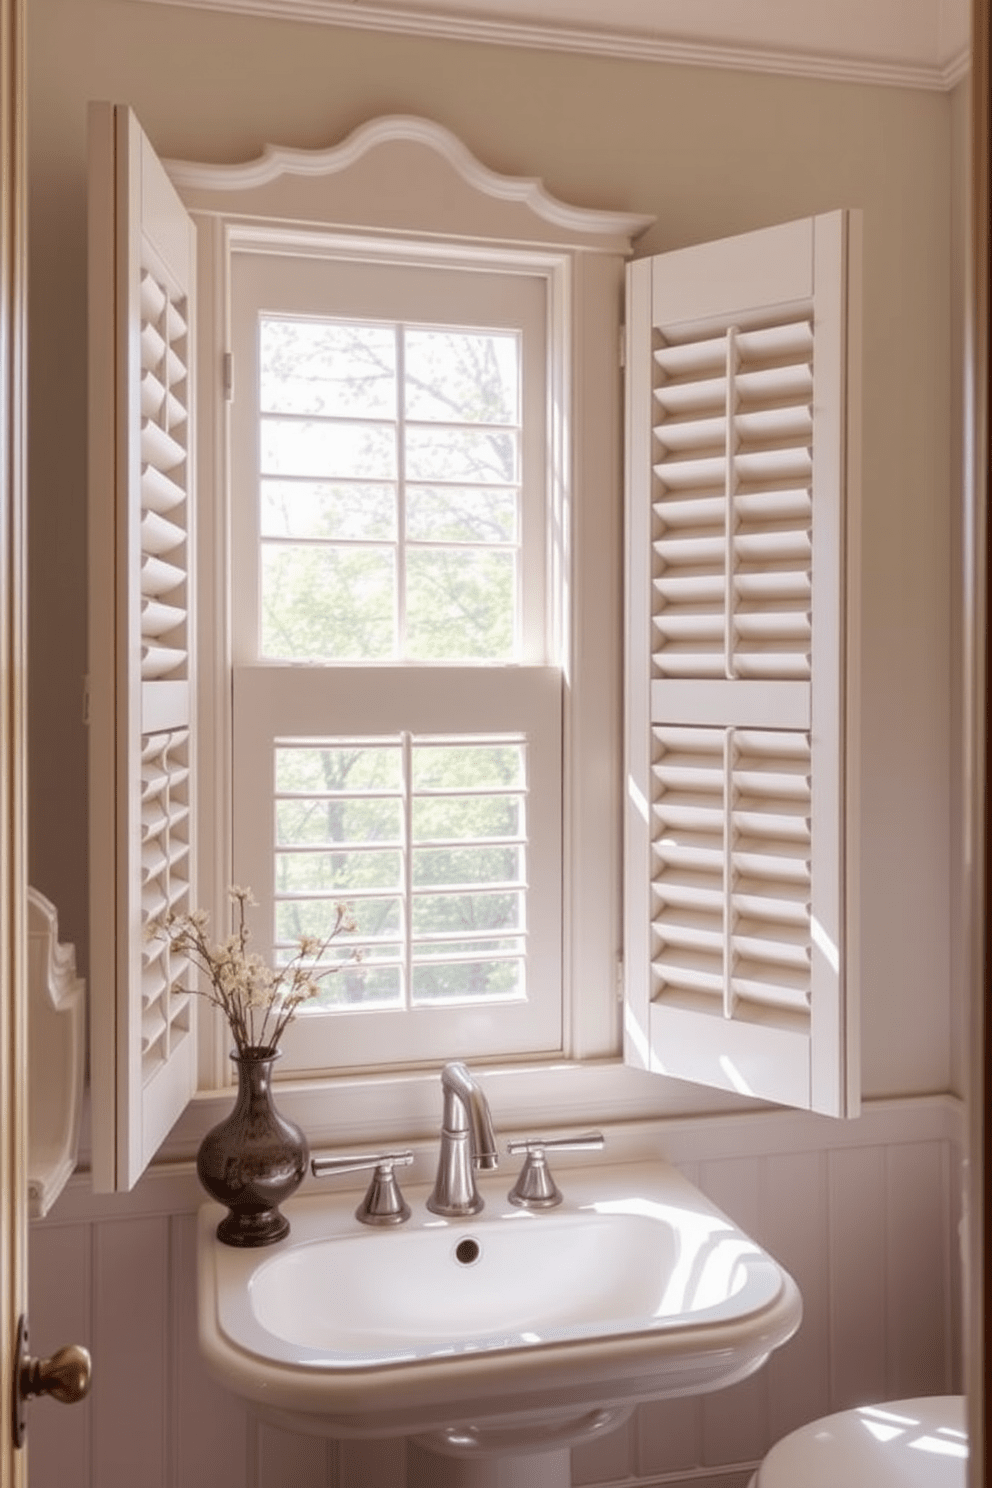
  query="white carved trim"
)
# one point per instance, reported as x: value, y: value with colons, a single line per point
x: 276, y: 161
x: 56, y: 1034
x: 939, y: 72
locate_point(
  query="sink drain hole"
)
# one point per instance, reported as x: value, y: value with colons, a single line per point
x: 467, y: 1251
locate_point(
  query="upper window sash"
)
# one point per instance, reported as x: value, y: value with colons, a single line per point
x: 396, y: 303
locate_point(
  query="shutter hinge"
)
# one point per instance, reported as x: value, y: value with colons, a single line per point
x: 86, y: 701
x: 619, y: 984
x: 623, y: 347
x: 227, y: 375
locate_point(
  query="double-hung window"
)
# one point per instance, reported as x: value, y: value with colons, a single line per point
x: 397, y: 704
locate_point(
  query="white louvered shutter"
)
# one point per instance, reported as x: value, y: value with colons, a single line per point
x: 142, y: 257
x: 740, y: 946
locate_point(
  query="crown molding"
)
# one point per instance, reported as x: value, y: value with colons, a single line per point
x: 917, y: 43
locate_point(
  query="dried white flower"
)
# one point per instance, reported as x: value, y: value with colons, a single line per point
x: 258, y: 1001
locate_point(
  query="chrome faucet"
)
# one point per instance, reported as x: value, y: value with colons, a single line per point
x: 467, y: 1142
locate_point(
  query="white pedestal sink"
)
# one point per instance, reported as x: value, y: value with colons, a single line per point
x: 509, y: 1334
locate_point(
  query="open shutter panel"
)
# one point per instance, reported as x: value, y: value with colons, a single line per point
x: 739, y: 944
x: 142, y: 256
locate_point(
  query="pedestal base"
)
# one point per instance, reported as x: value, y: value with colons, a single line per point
x: 426, y: 1469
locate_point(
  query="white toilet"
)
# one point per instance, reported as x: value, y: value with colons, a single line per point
x: 901, y: 1444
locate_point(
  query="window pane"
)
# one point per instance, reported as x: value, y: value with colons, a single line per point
x: 338, y: 819
x: 467, y: 816
x: 448, y: 767
x: 433, y: 914
x: 466, y: 865
x: 462, y: 377
x: 312, y: 767
x: 328, y: 603
x: 328, y: 449
x: 318, y: 509
x: 367, y: 963
x: 468, y: 981
x: 360, y: 984
x: 469, y: 514
x: 461, y: 604
x: 376, y: 918
x: 339, y: 872
x: 440, y: 454
x: 327, y: 367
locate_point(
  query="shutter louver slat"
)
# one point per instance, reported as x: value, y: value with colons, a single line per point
x: 786, y: 464
x: 160, y: 536
x: 153, y: 1026
x: 159, y: 493
x: 158, y: 577
x: 161, y: 661
x: 690, y: 588
x: 696, y: 434
x: 688, y: 475
x: 158, y: 619
x: 153, y: 860
x: 159, y: 448
x: 152, y: 298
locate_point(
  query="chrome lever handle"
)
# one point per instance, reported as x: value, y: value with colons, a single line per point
x: 383, y: 1203
x: 586, y: 1142
x: 535, y: 1188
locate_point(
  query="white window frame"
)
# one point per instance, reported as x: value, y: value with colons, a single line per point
x: 274, y: 699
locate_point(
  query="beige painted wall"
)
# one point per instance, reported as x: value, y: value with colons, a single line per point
x: 710, y: 153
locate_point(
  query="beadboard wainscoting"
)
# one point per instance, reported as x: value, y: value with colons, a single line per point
x: 864, y: 1214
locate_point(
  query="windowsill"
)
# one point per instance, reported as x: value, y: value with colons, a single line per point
x: 405, y: 1107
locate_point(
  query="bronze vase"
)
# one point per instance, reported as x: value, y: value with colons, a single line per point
x: 255, y: 1158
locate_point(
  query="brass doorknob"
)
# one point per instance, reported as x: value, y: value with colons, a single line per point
x: 65, y: 1376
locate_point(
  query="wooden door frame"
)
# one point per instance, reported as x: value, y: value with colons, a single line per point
x: 13, y: 789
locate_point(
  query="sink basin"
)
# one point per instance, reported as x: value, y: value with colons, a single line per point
x: 462, y: 1332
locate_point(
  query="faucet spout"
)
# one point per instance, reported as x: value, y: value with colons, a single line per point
x: 468, y: 1141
